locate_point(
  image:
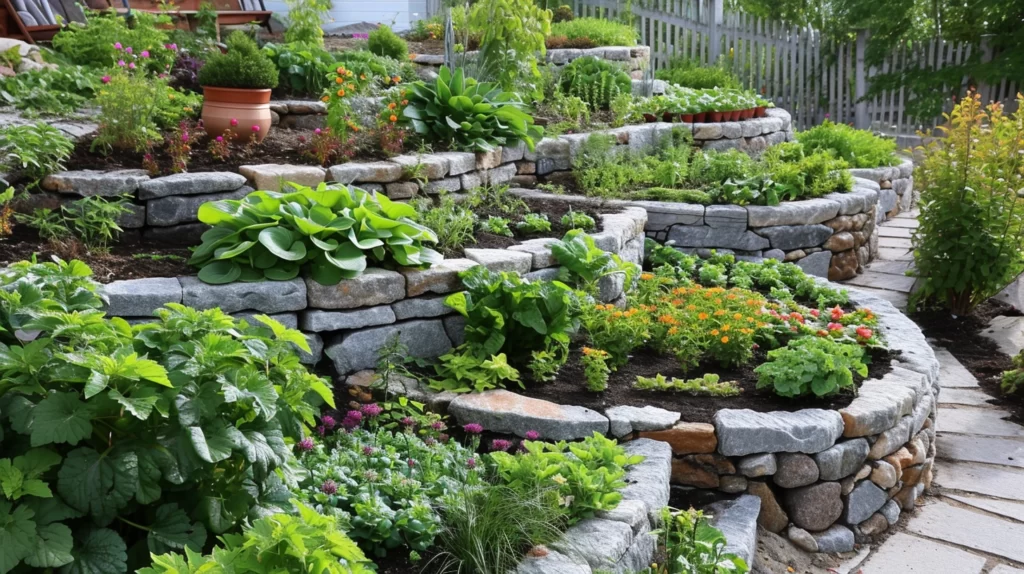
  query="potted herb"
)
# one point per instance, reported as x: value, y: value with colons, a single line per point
x: 236, y: 89
x: 649, y: 108
x: 760, y: 105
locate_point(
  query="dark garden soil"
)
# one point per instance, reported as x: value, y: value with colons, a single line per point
x: 961, y: 336
x: 123, y: 261
x: 570, y: 387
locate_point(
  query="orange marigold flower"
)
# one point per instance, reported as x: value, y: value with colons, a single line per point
x: 702, y: 316
x: 351, y: 86
x: 391, y: 106
x: 726, y: 327
x: 341, y: 93
x: 673, y: 330
x: 714, y: 332
x: 667, y: 319
x: 725, y: 339
x: 325, y: 99
x: 393, y: 118
x: 617, y: 314
x: 396, y: 79
x: 737, y: 316
x: 362, y: 76
x: 340, y: 70
x: 338, y: 80
x: 647, y: 276
x: 719, y: 312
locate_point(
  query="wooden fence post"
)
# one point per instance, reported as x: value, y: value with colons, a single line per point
x: 715, y: 17
x: 860, y: 84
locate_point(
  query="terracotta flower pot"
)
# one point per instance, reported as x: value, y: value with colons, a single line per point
x: 759, y: 112
x: 715, y: 116
x: 700, y: 118
x: 746, y: 114
x: 686, y: 118
x: 734, y: 116
x: 249, y: 110
x: 667, y: 117
x: 650, y: 118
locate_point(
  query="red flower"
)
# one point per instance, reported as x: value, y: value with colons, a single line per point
x: 815, y: 313
x: 837, y: 313
x: 864, y: 332
x: 835, y: 327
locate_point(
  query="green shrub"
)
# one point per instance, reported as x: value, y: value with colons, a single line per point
x: 562, y: 14
x: 305, y: 21
x: 967, y: 247
x: 600, y: 31
x: 860, y: 148
x: 244, y: 66
x: 106, y: 37
x: 511, y: 39
x: 813, y: 175
x: 690, y: 74
x: 128, y: 109
x: 60, y: 91
x: 715, y: 167
x: 460, y: 112
x: 302, y: 68
x: 35, y: 150
x: 329, y: 233
x: 384, y: 42
x: 812, y: 365
x: 306, y: 542
x: 138, y: 435
x: 595, y: 81
x: 1012, y: 381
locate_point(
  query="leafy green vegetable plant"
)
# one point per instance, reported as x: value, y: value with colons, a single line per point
x: 48, y: 91
x: 281, y: 542
x: 35, y: 150
x: 149, y: 431
x: 689, y: 73
x: 462, y: 372
x: 859, y: 148
x: 812, y: 365
x: 578, y: 220
x: 329, y: 232
x: 460, y: 112
x: 497, y: 226
x: 303, y: 68
x: 595, y: 81
x: 586, y: 263
x: 534, y: 223
x: 692, y: 546
x: 708, y: 385
x: 105, y: 38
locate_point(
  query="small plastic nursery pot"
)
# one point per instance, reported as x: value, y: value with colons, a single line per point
x: 244, y: 112
x: 686, y: 118
x: 759, y: 111
x: 715, y: 117
x: 700, y: 117
x: 650, y: 118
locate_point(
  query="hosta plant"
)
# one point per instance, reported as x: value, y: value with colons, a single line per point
x: 144, y: 438
x: 460, y: 112
x: 329, y: 233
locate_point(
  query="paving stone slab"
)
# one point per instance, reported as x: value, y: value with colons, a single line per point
x: 941, y: 521
x: 895, y: 243
x: 952, y: 373
x: 897, y: 232
x: 1003, y: 451
x: 991, y: 481
x: 870, y: 278
x: 892, y: 267
x: 506, y: 412
x: 891, y: 254
x: 902, y: 223
x: 1014, y: 510
x: 1004, y: 569
x: 966, y: 420
x: 969, y: 397
x: 908, y: 554
x: 1007, y: 332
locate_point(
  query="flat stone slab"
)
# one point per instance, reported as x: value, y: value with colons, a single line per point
x: 967, y: 420
x: 1002, y: 451
x: 140, y: 297
x: 742, y: 432
x: 510, y: 413
x: 737, y: 519
x: 969, y: 397
x: 1004, y: 569
x: 1007, y: 332
x: 198, y: 183
x: 358, y: 350
x: 648, y: 481
x: 263, y: 296
x: 373, y: 287
x: 543, y: 560
x: 871, y: 278
x: 1014, y: 510
x: 600, y: 542
x: 272, y: 176
x: 908, y: 554
x: 941, y: 521
x: 88, y: 182
x: 317, y: 321
x: 891, y: 254
x: 442, y: 278
x: 626, y: 419
x: 982, y: 480
x: 951, y: 373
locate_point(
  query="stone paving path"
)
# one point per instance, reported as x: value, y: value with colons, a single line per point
x: 972, y: 522
x: 886, y: 275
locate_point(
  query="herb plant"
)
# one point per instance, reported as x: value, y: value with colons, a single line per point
x: 595, y: 369
x: 244, y: 66
x: 578, y: 220
x: 305, y: 21
x: 692, y: 546
x: 329, y: 233
x: 600, y: 31
x: 595, y: 81
x: 812, y: 365
x: 859, y: 148
x: 708, y: 385
x: 35, y: 150
x: 302, y: 67
x: 452, y: 223
x: 497, y: 226
x: 534, y: 223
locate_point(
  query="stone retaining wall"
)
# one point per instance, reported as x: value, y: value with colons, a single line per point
x: 350, y: 322
x: 634, y: 59
x: 165, y: 208
x: 824, y: 478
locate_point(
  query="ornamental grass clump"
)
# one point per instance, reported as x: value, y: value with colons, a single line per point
x: 328, y: 233
x: 967, y: 247
x: 243, y: 66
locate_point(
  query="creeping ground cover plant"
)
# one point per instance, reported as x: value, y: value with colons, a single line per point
x: 328, y: 233
x: 119, y: 441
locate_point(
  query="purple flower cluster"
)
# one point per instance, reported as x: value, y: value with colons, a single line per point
x: 305, y: 445
x: 329, y: 487
x: 352, y: 420
x: 532, y: 435
x: 371, y: 410
x: 500, y: 444
x: 473, y: 428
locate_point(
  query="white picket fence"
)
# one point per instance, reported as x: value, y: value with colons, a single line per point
x: 796, y: 67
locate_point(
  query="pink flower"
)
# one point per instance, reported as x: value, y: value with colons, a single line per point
x: 120, y: 63
x: 255, y: 128
x: 471, y: 463
x: 352, y: 419
x: 411, y: 463
x: 328, y: 421
x: 128, y: 49
x: 407, y: 421
x: 219, y: 138
x: 367, y: 450
x: 117, y: 45
x: 305, y: 445
x: 234, y: 122
x: 864, y: 333
x: 105, y: 79
x: 815, y: 312
x: 320, y: 430
x: 145, y: 54
x: 532, y: 435
x: 184, y: 136
x: 172, y: 47
x: 371, y: 410
x: 835, y: 327
x: 837, y: 313
x: 437, y: 425
x: 131, y: 65
x: 329, y: 487
x: 500, y: 444
x: 473, y: 428
x: 317, y: 131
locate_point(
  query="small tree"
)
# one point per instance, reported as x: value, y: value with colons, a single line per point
x: 968, y: 245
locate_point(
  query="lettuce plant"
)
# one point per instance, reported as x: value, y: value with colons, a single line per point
x: 329, y: 233
x: 116, y: 436
x: 470, y: 115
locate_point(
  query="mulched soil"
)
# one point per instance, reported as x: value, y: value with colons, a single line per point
x: 570, y: 387
x: 123, y: 261
x: 961, y: 336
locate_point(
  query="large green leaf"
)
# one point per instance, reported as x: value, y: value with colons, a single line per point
x: 173, y: 530
x: 98, y: 484
x: 283, y: 243
x: 97, y: 551
x: 220, y: 272
x: 18, y: 536
x: 61, y: 418
x: 53, y: 547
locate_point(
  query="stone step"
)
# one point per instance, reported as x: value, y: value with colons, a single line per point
x: 975, y: 421
x: 969, y: 529
x: 979, y: 479
x: 907, y: 554
x: 900, y: 222
x: 897, y: 232
x: 969, y: 397
x: 893, y: 254
x: 895, y: 243
x: 892, y: 267
x: 898, y: 299
x: 951, y: 373
x: 1014, y: 510
x: 900, y: 283
x: 1001, y: 451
